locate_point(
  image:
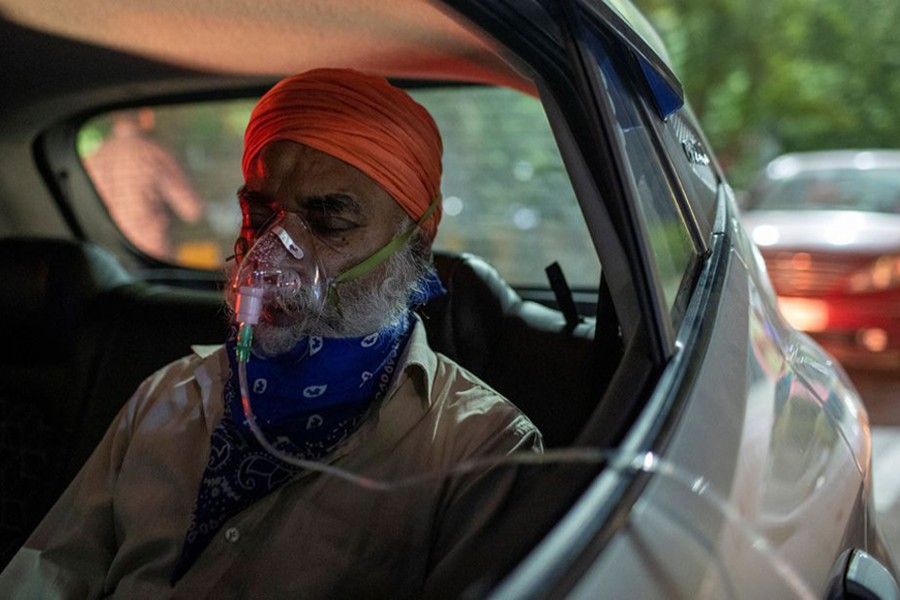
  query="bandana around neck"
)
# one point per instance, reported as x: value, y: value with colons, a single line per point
x: 304, y: 393
x: 308, y: 392
x: 306, y: 402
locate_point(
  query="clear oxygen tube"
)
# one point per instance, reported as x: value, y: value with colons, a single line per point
x: 280, y: 278
x: 282, y: 274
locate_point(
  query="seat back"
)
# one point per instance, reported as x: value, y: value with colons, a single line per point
x: 52, y: 330
x: 148, y: 326
x: 523, y: 349
x: 82, y: 335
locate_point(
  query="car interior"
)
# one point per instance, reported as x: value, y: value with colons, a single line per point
x: 77, y: 299
x: 594, y: 272
x: 89, y: 317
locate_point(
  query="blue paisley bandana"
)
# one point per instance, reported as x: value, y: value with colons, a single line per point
x: 307, y: 402
x: 300, y: 396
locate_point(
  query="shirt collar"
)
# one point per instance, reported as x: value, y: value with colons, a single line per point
x: 213, y: 360
x: 419, y: 362
x: 205, y: 351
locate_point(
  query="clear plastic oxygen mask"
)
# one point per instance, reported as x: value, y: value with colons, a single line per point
x: 279, y: 279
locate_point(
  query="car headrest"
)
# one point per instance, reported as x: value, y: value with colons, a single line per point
x: 523, y: 349
x: 466, y: 323
x: 47, y: 286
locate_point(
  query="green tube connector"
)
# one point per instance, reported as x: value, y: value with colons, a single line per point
x: 244, y: 340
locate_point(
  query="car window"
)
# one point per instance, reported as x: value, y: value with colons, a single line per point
x: 672, y: 249
x: 692, y: 160
x: 168, y: 177
x: 507, y: 196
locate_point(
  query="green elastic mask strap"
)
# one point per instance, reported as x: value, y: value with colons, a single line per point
x: 381, y: 255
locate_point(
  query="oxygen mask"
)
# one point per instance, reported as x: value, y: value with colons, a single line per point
x: 279, y: 280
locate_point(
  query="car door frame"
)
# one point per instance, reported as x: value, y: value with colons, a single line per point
x: 581, y: 124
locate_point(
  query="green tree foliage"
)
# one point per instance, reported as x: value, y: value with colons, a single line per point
x: 772, y: 76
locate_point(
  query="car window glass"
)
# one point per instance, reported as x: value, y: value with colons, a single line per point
x: 168, y: 177
x: 671, y: 248
x: 507, y: 195
x: 692, y: 161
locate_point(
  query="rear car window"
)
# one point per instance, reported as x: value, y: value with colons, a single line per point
x: 168, y: 176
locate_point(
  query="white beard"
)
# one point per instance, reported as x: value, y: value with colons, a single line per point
x: 365, y: 305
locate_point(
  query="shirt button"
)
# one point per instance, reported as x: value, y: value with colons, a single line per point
x: 232, y: 534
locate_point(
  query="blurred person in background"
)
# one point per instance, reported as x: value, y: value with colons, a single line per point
x: 142, y: 184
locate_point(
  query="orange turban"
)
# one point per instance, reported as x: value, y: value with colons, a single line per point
x: 362, y: 120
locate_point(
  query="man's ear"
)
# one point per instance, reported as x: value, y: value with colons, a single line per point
x: 241, y: 247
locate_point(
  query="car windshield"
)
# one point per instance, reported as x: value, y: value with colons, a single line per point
x: 870, y: 190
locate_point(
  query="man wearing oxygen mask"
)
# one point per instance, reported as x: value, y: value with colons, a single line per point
x: 313, y: 455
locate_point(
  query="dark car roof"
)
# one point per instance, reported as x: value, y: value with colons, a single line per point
x: 73, y: 54
x: 61, y: 56
x: 248, y: 37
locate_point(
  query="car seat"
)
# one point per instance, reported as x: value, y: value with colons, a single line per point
x: 81, y: 334
x: 523, y: 349
x: 50, y: 332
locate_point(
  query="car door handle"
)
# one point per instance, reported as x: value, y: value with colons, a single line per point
x: 863, y: 577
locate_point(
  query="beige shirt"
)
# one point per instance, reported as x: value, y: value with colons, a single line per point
x: 119, y: 527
